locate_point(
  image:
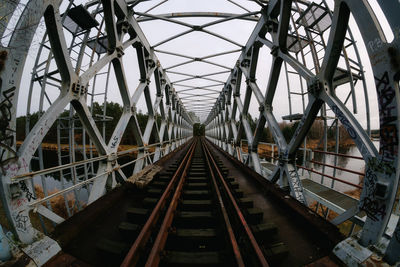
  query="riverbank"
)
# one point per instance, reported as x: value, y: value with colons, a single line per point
x: 265, y: 150
x: 88, y: 148
x: 315, y: 144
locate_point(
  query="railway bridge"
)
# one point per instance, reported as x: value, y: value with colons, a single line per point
x: 188, y: 133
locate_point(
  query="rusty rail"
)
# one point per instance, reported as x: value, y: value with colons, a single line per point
x: 338, y: 154
x: 161, y: 239
x: 329, y: 176
x: 134, y: 253
x: 253, y: 242
x: 232, y: 238
x: 337, y: 167
x: 154, y: 257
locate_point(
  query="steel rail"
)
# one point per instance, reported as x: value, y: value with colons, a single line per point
x: 253, y: 241
x: 159, y: 244
x: 161, y: 239
x: 235, y: 246
x: 133, y: 255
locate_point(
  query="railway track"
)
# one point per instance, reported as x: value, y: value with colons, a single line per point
x: 200, y: 210
x: 198, y: 216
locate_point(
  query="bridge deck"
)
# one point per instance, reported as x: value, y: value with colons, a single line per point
x: 94, y: 235
x: 334, y: 200
x: 341, y: 200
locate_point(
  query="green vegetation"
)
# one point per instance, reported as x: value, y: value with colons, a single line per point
x: 198, y: 129
x: 316, y: 132
x: 113, y: 113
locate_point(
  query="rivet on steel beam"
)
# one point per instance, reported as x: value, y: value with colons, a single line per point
x: 120, y: 51
x: 271, y: 26
x: 316, y: 86
x: 197, y: 27
x: 150, y: 63
x: 250, y: 80
x: 258, y: 44
x: 245, y: 63
x: 275, y: 50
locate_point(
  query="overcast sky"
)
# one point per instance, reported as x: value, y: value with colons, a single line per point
x: 198, y: 44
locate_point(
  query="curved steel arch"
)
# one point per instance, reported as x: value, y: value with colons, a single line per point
x: 73, y: 70
x: 283, y: 24
x: 74, y: 77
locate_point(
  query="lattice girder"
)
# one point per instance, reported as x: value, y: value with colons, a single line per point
x: 69, y: 75
x: 321, y: 93
x: 74, y: 91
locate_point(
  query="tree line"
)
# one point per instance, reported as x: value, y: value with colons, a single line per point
x: 106, y: 125
x: 114, y: 112
x: 288, y: 129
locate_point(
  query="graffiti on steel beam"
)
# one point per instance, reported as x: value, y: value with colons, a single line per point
x: 374, y: 210
x: 346, y: 123
x: 387, y: 107
x: 6, y: 133
x: 381, y: 168
x: 28, y: 194
x: 369, y: 204
x: 21, y: 221
x: 373, y: 207
x: 114, y: 142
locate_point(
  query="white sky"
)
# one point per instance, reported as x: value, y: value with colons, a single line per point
x: 198, y: 44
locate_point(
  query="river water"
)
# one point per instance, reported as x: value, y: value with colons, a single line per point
x: 347, y: 163
x: 53, y: 182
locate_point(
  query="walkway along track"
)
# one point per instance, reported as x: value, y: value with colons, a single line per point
x: 193, y: 213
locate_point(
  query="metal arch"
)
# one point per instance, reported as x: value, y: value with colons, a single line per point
x: 382, y: 169
x: 72, y: 80
x: 73, y: 77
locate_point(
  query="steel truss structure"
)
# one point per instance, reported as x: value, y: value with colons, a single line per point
x: 74, y: 72
x: 83, y: 60
x: 291, y: 30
